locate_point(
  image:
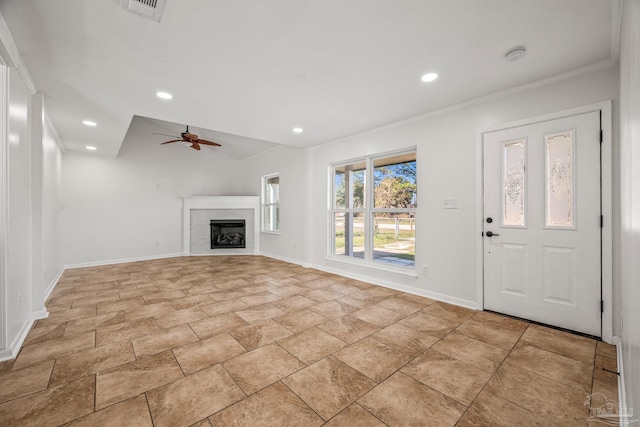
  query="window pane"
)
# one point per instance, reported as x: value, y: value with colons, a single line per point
x: 349, y: 234
x: 270, y: 203
x: 395, y: 181
x: 513, y: 179
x: 559, y: 179
x: 272, y: 189
x: 394, y: 239
x: 349, y: 186
x: 271, y: 218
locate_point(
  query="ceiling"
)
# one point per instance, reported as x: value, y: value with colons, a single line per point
x: 254, y: 70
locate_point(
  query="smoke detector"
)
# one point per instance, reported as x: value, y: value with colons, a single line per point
x: 150, y: 9
x: 515, y: 53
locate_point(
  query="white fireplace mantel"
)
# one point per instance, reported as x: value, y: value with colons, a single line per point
x: 220, y: 203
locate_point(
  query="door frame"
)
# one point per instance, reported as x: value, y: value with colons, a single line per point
x: 605, y: 109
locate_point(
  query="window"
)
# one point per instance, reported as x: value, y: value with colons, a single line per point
x: 271, y: 203
x: 374, y: 202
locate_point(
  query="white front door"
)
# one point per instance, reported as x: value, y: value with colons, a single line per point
x: 542, y: 222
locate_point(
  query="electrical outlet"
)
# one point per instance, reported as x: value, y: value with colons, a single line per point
x: 19, y: 301
x: 425, y: 270
x: 450, y: 204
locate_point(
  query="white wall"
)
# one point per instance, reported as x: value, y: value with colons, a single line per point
x: 118, y: 208
x: 19, y: 302
x: 630, y: 200
x: 52, y: 265
x: 446, y: 144
x: 32, y: 174
x: 291, y: 164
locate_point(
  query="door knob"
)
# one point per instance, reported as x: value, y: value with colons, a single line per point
x: 491, y: 233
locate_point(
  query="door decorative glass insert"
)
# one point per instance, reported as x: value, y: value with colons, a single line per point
x: 513, y: 179
x: 559, y: 180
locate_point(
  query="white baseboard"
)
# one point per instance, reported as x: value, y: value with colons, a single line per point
x: 408, y: 289
x: 52, y: 285
x: 285, y: 259
x: 12, y: 351
x: 622, y: 394
x: 121, y: 261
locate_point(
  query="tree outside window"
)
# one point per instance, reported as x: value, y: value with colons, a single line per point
x: 382, y: 231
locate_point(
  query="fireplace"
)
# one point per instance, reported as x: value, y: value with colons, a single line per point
x: 227, y: 233
x: 198, y: 211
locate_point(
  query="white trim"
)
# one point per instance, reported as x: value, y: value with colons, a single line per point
x: 408, y: 289
x: 598, y: 66
x: 122, y: 260
x: 11, y: 352
x: 285, y: 259
x: 360, y: 262
x: 607, y: 202
x: 52, y: 285
x: 616, y: 26
x: 4, y: 170
x: 391, y: 285
x: 622, y: 393
x: 264, y: 204
x: 11, y: 55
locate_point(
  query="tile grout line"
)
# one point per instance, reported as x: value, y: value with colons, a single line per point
x: 494, y: 373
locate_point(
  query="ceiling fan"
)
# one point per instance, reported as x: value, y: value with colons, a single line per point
x: 189, y: 138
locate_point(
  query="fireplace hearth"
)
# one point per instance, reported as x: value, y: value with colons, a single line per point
x: 227, y: 233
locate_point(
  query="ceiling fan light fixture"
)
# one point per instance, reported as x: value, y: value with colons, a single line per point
x: 164, y: 95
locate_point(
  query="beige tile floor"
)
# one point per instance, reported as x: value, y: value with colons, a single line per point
x: 252, y: 341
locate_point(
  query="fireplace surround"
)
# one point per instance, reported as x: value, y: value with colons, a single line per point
x: 199, y: 211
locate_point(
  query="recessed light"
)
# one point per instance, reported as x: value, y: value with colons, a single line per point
x: 429, y: 77
x: 89, y: 123
x: 90, y: 148
x: 298, y: 130
x: 164, y: 95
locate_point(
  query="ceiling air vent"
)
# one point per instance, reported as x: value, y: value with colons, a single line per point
x: 150, y: 9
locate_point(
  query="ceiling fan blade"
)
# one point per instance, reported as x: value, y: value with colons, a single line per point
x: 205, y: 142
x: 168, y: 142
x: 195, y: 146
x: 165, y: 134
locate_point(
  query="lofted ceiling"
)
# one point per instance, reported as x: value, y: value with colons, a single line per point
x: 251, y: 70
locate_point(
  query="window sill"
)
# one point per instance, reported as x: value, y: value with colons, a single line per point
x: 404, y: 271
x: 269, y: 232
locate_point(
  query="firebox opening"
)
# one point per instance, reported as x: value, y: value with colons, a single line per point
x: 227, y: 233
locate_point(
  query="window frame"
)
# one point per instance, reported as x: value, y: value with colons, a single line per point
x: 267, y: 205
x: 368, y: 212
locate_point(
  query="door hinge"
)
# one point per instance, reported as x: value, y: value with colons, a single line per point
x: 601, y: 306
x: 601, y: 221
x: 601, y: 136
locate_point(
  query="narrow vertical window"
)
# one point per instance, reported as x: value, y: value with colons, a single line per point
x: 349, y: 209
x: 271, y: 203
x: 513, y: 183
x: 559, y: 180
